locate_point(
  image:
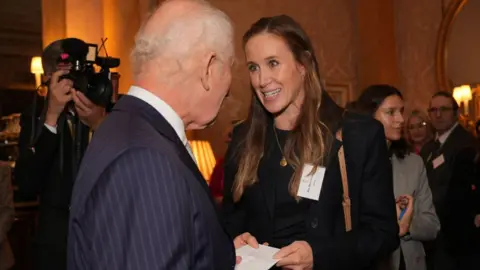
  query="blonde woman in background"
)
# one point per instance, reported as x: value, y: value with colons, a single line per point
x: 418, y: 130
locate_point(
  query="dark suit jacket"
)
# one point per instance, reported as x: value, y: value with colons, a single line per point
x: 375, y: 230
x: 451, y: 184
x: 45, y: 169
x: 139, y: 201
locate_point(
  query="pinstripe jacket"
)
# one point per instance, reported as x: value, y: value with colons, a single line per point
x: 139, y: 201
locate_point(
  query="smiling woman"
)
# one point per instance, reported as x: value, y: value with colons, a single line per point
x: 283, y: 183
x: 276, y: 78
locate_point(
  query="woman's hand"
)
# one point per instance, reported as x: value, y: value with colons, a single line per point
x: 296, y: 256
x: 404, y: 202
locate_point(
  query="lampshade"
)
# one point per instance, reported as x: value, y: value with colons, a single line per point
x: 204, y: 156
x: 36, y: 65
x: 462, y: 93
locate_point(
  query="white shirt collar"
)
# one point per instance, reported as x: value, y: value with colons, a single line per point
x: 163, y: 108
x: 442, y: 138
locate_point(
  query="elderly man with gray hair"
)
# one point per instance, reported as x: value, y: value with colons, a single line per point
x: 139, y: 201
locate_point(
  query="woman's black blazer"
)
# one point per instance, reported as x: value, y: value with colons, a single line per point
x: 375, y: 231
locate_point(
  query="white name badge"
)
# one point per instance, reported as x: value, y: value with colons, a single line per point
x: 438, y: 161
x: 311, y: 183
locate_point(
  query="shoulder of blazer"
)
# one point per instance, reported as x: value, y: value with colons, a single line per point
x: 361, y: 126
x: 462, y: 135
x: 458, y: 140
x: 358, y: 117
x: 239, y: 131
x: 330, y: 114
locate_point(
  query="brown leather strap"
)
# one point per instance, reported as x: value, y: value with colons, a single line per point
x: 346, y: 203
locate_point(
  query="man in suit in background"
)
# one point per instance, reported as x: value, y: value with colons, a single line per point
x: 449, y: 160
x: 139, y: 201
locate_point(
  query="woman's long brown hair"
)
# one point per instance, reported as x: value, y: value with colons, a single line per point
x: 306, y: 143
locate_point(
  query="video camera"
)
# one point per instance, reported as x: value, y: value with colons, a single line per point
x: 97, y: 86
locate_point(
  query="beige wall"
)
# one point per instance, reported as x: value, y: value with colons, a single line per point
x: 358, y: 42
x: 117, y: 20
x: 84, y: 19
x: 377, y: 62
x: 417, y: 25
x: 330, y: 25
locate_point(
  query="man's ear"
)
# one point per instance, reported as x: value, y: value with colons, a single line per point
x: 207, y: 69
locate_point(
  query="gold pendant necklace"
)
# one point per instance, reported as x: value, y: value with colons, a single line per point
x: 283, y: 161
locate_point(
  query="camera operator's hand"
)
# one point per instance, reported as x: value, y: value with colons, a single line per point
x: 60, y: 95
x: 89, y: 113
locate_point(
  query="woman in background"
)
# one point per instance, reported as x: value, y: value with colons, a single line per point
x: 288, y: 137
x: 416, y: 214
x: 418, y: 130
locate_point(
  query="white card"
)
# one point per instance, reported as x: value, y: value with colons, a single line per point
x: 256, y: 259
x: 438, y: 161
x: 311, y: 183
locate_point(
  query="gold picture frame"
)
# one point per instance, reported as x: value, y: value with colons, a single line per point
x: 441, y: 53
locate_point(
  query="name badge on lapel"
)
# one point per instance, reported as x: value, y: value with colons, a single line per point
x: 311, y: 182
x: 438, y: 161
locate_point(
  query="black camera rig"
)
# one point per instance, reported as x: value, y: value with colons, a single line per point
x: 97, y: 86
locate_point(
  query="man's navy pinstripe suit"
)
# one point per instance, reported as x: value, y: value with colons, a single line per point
x: 139, y: 201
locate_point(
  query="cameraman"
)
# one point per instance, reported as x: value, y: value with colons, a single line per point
x: 46, y: 163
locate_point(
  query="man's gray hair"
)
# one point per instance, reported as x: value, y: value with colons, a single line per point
x: 207, y: 28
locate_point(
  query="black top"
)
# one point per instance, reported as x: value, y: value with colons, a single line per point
x: 289, y: 215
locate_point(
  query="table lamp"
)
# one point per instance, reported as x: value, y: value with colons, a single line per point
x: 37, y: 69
x: 204, y: 156
x: 463, y: 94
